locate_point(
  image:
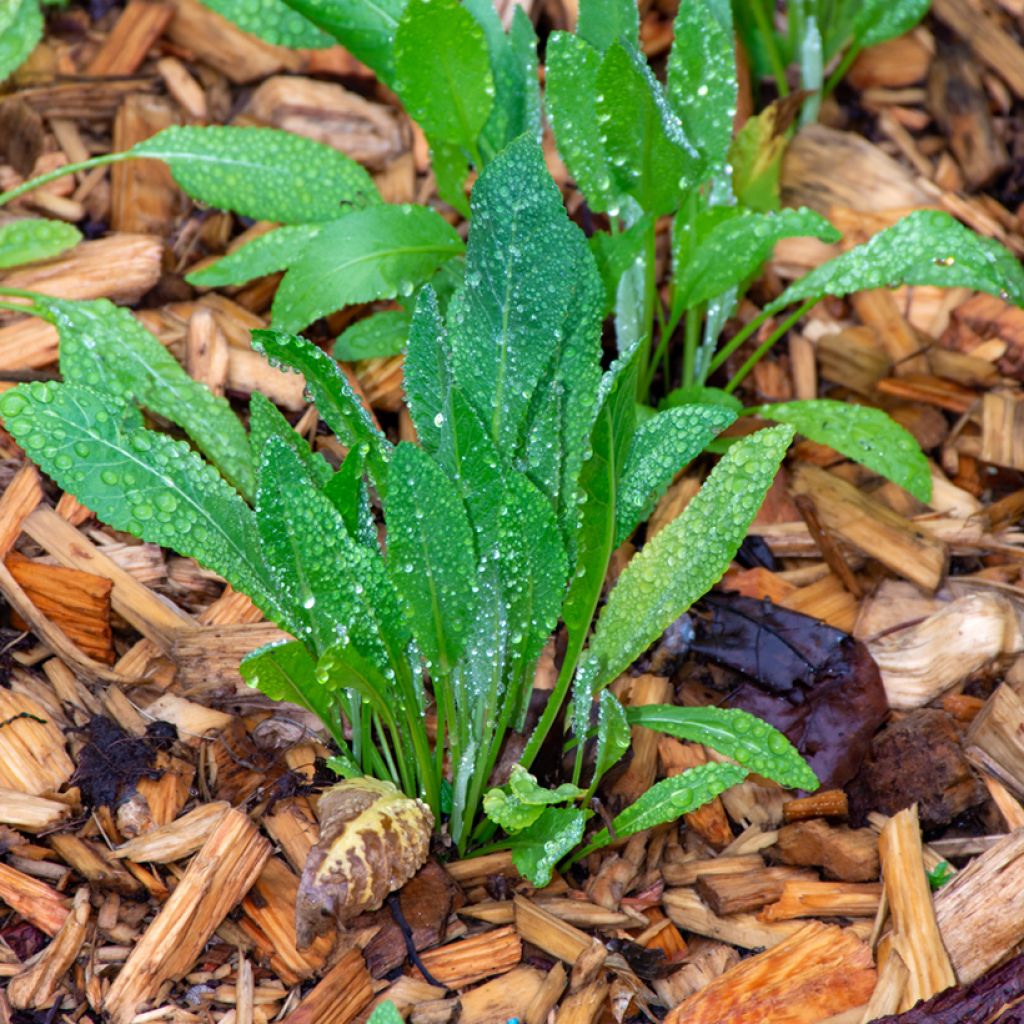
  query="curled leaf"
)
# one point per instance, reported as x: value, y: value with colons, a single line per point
x: 373, y: 839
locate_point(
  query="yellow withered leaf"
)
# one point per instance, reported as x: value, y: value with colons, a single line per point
x: 373, y: 839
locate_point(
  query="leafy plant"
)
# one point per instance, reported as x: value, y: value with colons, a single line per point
x: 21, y: 27
x: 531, y: 467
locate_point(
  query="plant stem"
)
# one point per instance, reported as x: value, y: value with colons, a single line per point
x: 650, y: 297
x: 852, y: 53
x: 554, y: 704
x: 692, y: 339
x: 667, y: 330
x: 767, y: 344
x: 771, y: 45
x: 734, y: 343
x: 61, y: 172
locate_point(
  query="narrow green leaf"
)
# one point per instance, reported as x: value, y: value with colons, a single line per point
x: 757, y: 746
x: 427, y: 370
x: 926, y: 247
x: 261, y: 172
x: 879, y: 20
x: 349, y: 494
x: 687, y: 557
x: 377, y: 253
x: 866, y: 435
x: 21, y: 27
x: 430, y: 554
x: 537, y: 849
x: 286, y: 671
x: 661, y: 447
x: 383, y: 334
x: 603, y: 22
x: 273, y: 21
x: 104, y: 347
x: 266, y: 421
x: 33, y: 239
x: 614, y: 735
x: 276, y: 250
x: 451, y: 93
x: 140, y: 481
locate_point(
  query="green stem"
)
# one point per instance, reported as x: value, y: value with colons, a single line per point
x: 765, y: 345
x: 692, y: 340
x: 771, y: 45
x: 734, y: 343
x: 650, y: 297
x: 62, y: 172
x: 554, y: 704
x: 852, y: 53
x: 667, y: 330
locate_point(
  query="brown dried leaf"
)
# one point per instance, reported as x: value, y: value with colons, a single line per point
x: 373, y: 839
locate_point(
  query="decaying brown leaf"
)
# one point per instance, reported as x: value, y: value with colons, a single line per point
x: 373, y: 839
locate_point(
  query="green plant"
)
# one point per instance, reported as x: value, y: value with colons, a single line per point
x: 531, y: 468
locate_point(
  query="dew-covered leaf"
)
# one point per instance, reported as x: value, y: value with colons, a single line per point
x: 377, y: 253
x: 927, y: 247
x: 272, y: 20
x: 702, y: 395
x: 866, y: 435
x: 427, y: 370
x: 525, y: 800
x: 266, y: 421
x: 443, y: 71
x: 332, y: 394
x: 430, y: 554
x: 383, y: 334
x: 276, y: 250
x: 757, y: 746
x: 616, y: 253
x: 661, y: 447
x: 140, y: 481
x: 261, y: 172
x: 105, y: 348
x: 688, y: 556
x: 603, y: 22
x: 879, y: 20
x: 33, y: 239
x: 651, y: 157
x: 538, y: 848
x: 614, y: 735
x: 451, y: 167
x: 349, y: 494
x: 385, y: 1013
x: 21, y: 27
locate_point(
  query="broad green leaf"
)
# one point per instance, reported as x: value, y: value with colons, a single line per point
x: 687, y: 557
x: 261, y: 172
x: 383, y: 334
x: 349, y: 494
x: 33, y: 239
x: 728, y: 245
x: 651, y: 157
x: 377, y: 253
x: 332, y: 394
x: 668, y: 800
x: 276, y: 250
x: 430, y: 554
x: 603, y: 22
x: 879, y: 20
x: 21, y: 27
x: 570, y: 98
x: 272, y: 20
x: 366, y: 28
x: 266, y: 421
x: 140, y: 481
x: 537, y: 849
x: 757, y: 746
x: 525, y: 800
x: 661, y: 447
x: 385, y: 1013
x: 104, y: 347
x: 756, y: 158
x: 866, y: 435
x: 702, y: 85
x: 451, y: 91
x: 926, y: 247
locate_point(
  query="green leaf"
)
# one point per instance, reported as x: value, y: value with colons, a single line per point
x: 866, y: 435
x: 603, y: 22
x: 383, y: 334
x: 926, y: 247
x: 33, y: 239
x: 614, y: 736
x: 276, y: 250
x: 661, y: 447
x: 700, y: 394
x: 537, y: 849
x: 332, y: 394
x: 451, y: 92
x: 385, y: 1013
x: 266, y: 421
x: 879, y: 20
x: 615, y: 254
x: 651, y: 157
x: 140, y: 481
x: 261, y: 172
x: 104, y: 347
x: 525, y: 800
x: 571, y: 103
x: 272, y: 20
x: 366, y: 28
x: 757, y: 746
x: 668, y: 800
x: 728, y: 245
x: 451, y: 167
x: 21, y: 27
x: 687, y: 557
x: 427, y: 370
x: 430, y: 554
x: 756, y: 158
x: 377, y: 253
x: 702, y: 85
x: 349, y: 494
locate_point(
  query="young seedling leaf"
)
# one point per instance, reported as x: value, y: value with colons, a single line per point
x: 374, y: 337
x: 538, y: 848
x: 757, y: 746
x: 603, y: 22
x: 385, y: 1013
x: 525, y: 800
x: 866, y: 435
x: 261, y: 172
x: 21, y: 27
x: 926, y: 247
x: 33, y: 239
x: 443, y: 71
x: 687, y: 557
x: 140, y: 481
x: 266, y: 421
x: 660, y: 448
x: 273, y: 21
x: 377, y: 253
x: 276, y: 250
x: 879, y: 20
